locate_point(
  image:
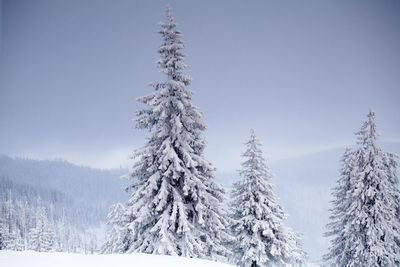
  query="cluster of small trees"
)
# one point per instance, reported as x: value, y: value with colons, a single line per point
x: 176, y: 207
x: 28, y: 224
x: 54, y: 205
x: 79, y: 193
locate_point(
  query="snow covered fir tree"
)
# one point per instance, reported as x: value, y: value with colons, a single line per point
x: 42, y: 236
x: 175, y: 206
x: 118, y: 232
x: 340, y: 207
x: 261, y: 239
x: 364, y: 226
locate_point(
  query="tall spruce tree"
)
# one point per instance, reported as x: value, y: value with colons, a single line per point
x: 364, y: 227
x: 261, y: 239
x: 175, y: 206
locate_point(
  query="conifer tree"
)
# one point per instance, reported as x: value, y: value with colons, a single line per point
x: 115, y: 242
x: 175, y: 206
x: 365, y: 228
x: 261, y: 239
x: 338, y: 212
x: 2, y: 237
x: 19, y: 242
x: 41, y: 237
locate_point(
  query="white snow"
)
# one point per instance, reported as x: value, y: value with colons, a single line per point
x: 29, y: 258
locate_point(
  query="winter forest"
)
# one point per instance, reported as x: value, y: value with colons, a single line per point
x: 172, y: 206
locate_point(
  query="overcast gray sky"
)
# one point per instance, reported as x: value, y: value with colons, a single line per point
x: 303, y: 74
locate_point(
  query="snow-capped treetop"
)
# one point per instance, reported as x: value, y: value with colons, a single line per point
x: 368, y: 134
x: 171, y: 62
x: 255, y: 164
x: 255, y: 187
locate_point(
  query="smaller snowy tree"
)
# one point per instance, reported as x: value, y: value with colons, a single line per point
x: 261, y: 237
x: 41, y: 237
x: 9, y: 240
x: 19, y: 242
x: 116, y: 241
x: 341, y: 194
x: 2, y: 238
x: 365, y: 228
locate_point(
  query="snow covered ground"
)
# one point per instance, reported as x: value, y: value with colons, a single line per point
x: 29, y: 258
x: 57, y: 259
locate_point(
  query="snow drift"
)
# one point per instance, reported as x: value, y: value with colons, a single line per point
x: 43, y: 259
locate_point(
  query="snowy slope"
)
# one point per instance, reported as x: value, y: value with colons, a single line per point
x: 57, y: 259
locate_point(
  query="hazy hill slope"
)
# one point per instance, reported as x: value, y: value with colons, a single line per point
x: 94, y: 190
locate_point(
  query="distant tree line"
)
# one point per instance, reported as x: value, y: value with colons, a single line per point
x: 28, y: 222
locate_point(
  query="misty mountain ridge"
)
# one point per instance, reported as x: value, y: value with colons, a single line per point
x: 74, y: 186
